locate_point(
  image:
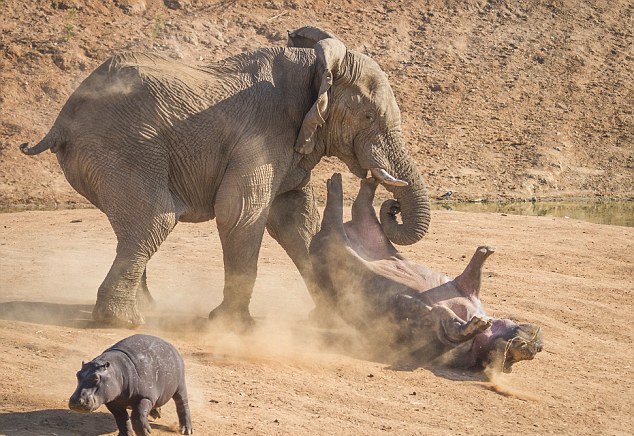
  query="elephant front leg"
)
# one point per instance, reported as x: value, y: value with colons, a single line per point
x: 241, y: 247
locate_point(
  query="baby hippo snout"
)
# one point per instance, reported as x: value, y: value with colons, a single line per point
x: 82, y: 401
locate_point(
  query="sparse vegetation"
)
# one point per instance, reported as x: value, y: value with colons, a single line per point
x: 69, y: 28
x: 158, y: 25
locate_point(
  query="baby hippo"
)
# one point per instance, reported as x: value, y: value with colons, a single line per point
x: 140, y: 372
x: 406, y: 306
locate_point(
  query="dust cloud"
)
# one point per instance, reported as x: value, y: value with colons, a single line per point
x: 501, y: 383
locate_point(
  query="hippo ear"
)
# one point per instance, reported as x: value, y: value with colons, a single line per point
x: 83, y: 363
x: 106, y: 365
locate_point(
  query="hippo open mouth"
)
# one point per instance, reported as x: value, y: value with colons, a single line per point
x: 523, y: 346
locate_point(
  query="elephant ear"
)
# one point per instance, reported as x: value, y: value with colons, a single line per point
x: 329, y: 53
x: 307, y: 37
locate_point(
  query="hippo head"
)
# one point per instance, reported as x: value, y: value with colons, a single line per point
x: 506, y: 343
x: 93, y: 387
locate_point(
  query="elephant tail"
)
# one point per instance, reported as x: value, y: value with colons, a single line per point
x: 51, y: 141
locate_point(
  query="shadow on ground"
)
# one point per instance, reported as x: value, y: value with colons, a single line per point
x: 65, y: 315
x: 56, y: 421
x: 80, y: 316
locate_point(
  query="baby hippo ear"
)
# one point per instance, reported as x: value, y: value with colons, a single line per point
x: 329, y: 55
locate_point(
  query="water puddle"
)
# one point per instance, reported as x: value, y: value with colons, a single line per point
x: 617, y: 213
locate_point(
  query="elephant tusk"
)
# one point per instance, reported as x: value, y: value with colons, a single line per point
x: 384, y: 177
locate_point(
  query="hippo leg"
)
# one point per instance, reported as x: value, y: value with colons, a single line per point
x: 450, y: 327
x: 470, y: 280
x: 140, y: 412
x: 122, y: 419
x: 182, y: 410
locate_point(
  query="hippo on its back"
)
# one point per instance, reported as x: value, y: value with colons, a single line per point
x: 140, y: 372
x: 403, y: 304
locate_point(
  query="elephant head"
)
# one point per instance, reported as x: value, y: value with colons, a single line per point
x: 356, y: 118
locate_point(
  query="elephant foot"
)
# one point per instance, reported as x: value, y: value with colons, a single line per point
x: 124, y: 315
x: 236, y: 319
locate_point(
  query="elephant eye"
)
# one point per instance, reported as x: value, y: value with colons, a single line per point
x: 369, y: 116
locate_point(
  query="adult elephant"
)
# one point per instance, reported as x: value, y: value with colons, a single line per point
x: 151, y: 142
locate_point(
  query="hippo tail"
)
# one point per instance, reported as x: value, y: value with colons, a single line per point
x: 469, y: 281
x: 53, y: 140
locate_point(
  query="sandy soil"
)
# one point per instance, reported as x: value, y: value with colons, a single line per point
x: 572, y: 278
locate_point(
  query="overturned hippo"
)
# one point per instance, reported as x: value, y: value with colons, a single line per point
x: 140, y: 372
x: 394, y: 301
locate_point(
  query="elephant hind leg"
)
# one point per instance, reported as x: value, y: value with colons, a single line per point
x: 125, y: 285
x: 143, y: 295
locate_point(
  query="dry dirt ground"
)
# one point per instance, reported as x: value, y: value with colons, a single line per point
x: 288, y: 378
x: 500, y: 100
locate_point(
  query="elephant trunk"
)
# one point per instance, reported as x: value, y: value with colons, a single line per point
x: 411, y: 201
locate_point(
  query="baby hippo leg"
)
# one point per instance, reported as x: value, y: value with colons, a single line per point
x: 182, y: 410
x: 122, y: 419
x: 140, y: 412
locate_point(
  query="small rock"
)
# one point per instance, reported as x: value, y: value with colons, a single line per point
x: 131, y: 7
x: 176, y: 4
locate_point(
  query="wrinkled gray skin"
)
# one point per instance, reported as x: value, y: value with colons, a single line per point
x: 408, y: 306
x: 152, y: 142
x: 140, y: 372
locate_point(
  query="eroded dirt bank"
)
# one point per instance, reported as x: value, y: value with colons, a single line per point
x: 499, y: 99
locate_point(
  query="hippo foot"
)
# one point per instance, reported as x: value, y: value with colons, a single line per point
x: 117, y: 315
x: 476, y: 325
x: 186, y: 429
x: 238, y: 320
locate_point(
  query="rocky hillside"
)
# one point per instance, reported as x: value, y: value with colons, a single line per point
x: 500, y: 99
